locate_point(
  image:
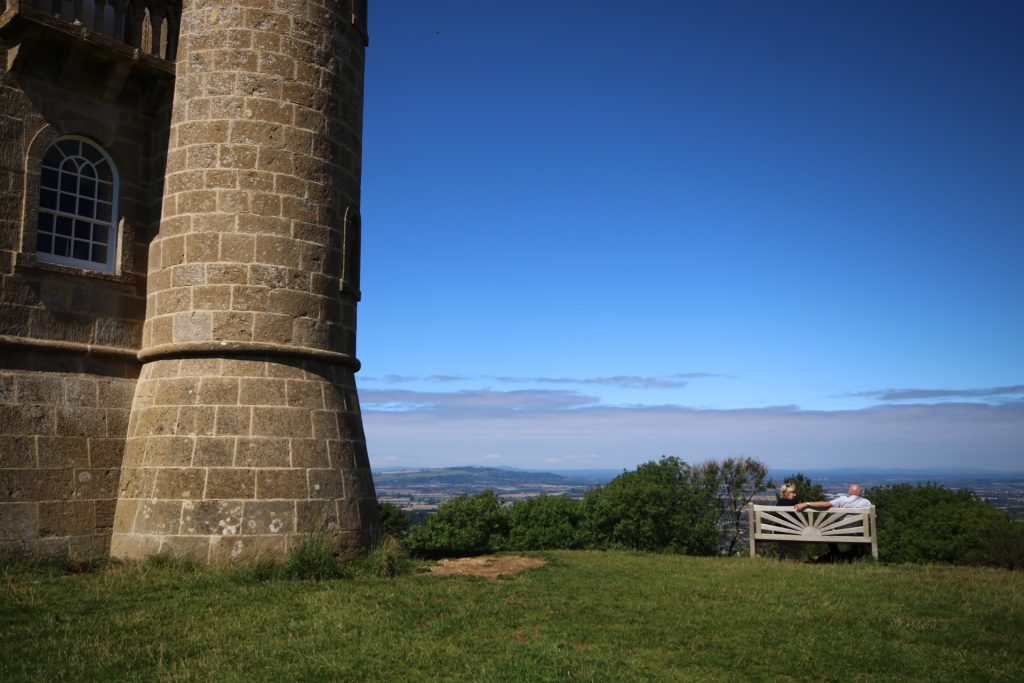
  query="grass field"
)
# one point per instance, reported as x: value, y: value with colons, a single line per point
x: 589, y: 616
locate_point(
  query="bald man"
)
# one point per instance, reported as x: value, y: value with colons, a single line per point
x: 854, y: 498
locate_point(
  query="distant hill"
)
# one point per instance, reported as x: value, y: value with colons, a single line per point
x: 476, y: 477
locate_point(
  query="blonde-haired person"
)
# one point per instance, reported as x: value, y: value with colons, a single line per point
x: 787, y: 497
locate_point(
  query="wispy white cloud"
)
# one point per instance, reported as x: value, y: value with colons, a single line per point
x: 549, y: 428
x: 929, y: 394
x: 676, y: 381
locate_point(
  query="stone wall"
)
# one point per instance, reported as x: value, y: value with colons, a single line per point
x: 68, y: 337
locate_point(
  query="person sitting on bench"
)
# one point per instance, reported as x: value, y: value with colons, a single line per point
x: 854, y: 498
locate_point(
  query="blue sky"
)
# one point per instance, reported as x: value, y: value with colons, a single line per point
x: 596, y: 233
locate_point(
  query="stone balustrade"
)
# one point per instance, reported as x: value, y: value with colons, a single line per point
x: 149, y: 25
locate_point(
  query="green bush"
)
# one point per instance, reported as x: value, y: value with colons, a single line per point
x: 547, y: 523
x: 386, y: 559
x: 393, y: 520
x: 931, y: 523
x: 463, y: 525
x: 657, y: 507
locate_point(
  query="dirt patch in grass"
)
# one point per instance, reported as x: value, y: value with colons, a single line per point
x: 489, y: 566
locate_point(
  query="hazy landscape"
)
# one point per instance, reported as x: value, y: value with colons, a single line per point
x: 423, y: 489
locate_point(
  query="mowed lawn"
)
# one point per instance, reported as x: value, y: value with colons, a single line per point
x: 590, y: 616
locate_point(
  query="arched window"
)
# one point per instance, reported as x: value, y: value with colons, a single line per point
x: 77, y: 206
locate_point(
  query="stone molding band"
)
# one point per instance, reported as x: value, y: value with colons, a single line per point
x: 178, y: 350
x: 246, y: 348
x: 73, y: 347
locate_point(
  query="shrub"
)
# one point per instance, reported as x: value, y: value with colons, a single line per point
x: 931, y: 523
x: 463, y: 525
x: 393, y: 520
x: 386, y: 559
x: 657, y: 507
x: 547, y: 523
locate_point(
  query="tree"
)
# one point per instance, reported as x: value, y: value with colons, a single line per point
x: 462, y: 526
x: 657, y: 507
x: 393, y: 520
x: 931, y: 523
x: 734, y: 483
x: 547, y: 522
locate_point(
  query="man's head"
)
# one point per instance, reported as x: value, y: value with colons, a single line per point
x: 855, y: 490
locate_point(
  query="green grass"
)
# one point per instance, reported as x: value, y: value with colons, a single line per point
x: 588, y: 616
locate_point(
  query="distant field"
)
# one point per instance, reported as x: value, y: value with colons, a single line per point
x: 588, y: 616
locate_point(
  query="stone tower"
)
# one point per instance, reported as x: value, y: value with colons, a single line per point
x: 245, y: 433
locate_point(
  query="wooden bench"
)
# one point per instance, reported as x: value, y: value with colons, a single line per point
x: 834, y: 525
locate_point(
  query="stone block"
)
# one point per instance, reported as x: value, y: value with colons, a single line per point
x: 62, y: 451
x: 67, y: 518
x: 218, y: 391
x: 214, y: 451
x: 262, y: 452
x: 236, y: 247
x: 176, y: 392
x: 309, y: 453
x: 232, y: 420
x: 134, y: 546
x: 192, y: 547
x: 274, y: 329
x: 155, y: 421
x: 230, y: 482
x: 268, y: 517
x: 45, y: 389
x: 342, y: 454
x: 325, y: 424
x: 18, y: 452
x: 211, y: 297
x: 290, y: 422
x: 192, y: 326
x: 80, y: 391
x: 233, y: 550
x: 305, y: 394
x: 96, y: 484
x: 326, y: 484
x: 106, y: 452
x: 183, y: 483
x: 249, y: 298
x: 212, y: 518
x: 173, y: 300
x: 202, y: 247
x: 232, y: 326
x: 262, y: 391
x: 226, y: 273
x: 195, y: 421
x: 287, y: 484
x: 158, y: 517
x: 316, y: 516
x: 199, y: 367
x: 137, y: 482
x: 81, y: 422
x: 169, y: 451
x: 124, y: 516
x: 18, y: 521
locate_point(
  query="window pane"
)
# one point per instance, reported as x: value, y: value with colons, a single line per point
x: 48, y: 177
x: 63, y: 226
x: 69, y: 147
x: 103, y: 211
x: 81, y: 250
x: 61, y: 246
x: 46, y: 222
x: 86, y: 207
x: 87, y: 187
x: 103, y: 170
x: 68, y: 181
x: 91, y: 153
x: 44, y: 243
x: 53, y: 157
x: 104, y: 191
x: 83, y: 230
x: 67, y: 202
x: 99, y: 253
x: 99, y: 234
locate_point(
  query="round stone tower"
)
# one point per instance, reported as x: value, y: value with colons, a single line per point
x: 245, y: 433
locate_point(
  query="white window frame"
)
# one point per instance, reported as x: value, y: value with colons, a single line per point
x: 77, y: 217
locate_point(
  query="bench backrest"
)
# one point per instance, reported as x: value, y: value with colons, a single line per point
x: 834, y: 525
